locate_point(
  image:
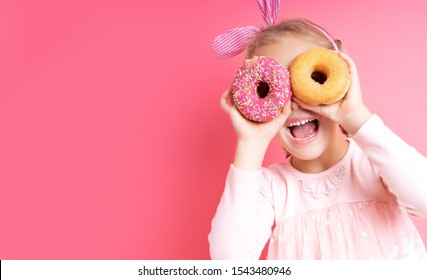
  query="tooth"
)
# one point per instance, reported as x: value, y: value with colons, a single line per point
x: 299, y: 123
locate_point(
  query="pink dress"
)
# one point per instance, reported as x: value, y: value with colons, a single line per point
x: 358, y: 209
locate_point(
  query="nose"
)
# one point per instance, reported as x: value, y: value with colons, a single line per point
x: 294, y: 105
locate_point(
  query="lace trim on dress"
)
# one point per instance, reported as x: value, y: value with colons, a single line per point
x: 324, y: 186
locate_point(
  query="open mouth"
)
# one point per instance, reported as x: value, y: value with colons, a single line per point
x: 304, y: 130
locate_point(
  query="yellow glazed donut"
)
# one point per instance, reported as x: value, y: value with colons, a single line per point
x: 319, y: 76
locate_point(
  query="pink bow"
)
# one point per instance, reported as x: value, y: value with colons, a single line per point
x: 234, y: 41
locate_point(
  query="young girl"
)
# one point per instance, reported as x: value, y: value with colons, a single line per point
x: 334, y: 197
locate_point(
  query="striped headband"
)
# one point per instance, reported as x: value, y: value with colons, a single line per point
x: 326, y: 34
x: 235, y: 41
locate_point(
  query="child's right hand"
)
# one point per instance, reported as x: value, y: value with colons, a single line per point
x: 253, y: 138
x: 350, y: 112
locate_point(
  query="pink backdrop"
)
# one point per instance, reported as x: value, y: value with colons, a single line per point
x: 112, y: 142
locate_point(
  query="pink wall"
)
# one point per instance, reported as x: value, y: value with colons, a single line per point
x: 112, y: 142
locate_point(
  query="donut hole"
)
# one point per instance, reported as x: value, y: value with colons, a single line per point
x: 263, y: 89
x: 319, y: 77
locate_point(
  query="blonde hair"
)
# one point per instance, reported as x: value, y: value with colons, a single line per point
x: 295, y: 26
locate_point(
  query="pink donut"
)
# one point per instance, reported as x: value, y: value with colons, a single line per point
x: 261, y: 88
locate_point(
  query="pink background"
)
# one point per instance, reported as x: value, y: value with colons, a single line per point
x: 112, y: 141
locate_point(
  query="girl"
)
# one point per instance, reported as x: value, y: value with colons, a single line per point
x: 333, y: 197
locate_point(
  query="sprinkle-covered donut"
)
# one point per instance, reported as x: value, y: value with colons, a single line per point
x: 319, y: 76
x: 261, y: 88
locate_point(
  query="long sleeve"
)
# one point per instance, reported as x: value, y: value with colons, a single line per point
x: 400, y: 166
x: 243, y: 222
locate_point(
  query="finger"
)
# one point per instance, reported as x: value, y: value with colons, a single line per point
x: 284, y: 114
x: 347, y: 59
x: 351, y: 66
x: 354, y: 76
x: 224, y: 101
x: 302, y: 104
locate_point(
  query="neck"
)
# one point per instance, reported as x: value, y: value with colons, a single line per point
x: 331, y: 156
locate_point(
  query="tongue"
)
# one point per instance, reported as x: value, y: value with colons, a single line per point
x: 303, y: 131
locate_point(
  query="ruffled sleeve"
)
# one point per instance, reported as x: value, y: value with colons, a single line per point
x: 243, y: 222
x: 401, y: 167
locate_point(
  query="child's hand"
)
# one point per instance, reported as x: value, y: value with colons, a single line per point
x: 350, y: 112
x: 247, y: 130
x: 253, y: 138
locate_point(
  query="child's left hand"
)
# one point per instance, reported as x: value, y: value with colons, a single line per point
x: 350, y: 112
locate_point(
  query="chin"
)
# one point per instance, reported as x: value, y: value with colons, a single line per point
x: 307, y: 153
x: 307, y: 136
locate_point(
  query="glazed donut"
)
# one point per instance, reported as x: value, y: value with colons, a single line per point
x: 260, y: 89
x: 319, y: 76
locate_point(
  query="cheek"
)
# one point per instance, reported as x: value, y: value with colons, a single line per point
x: 281, y: 137
x: 285, y: 142
x: 329, y: 127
